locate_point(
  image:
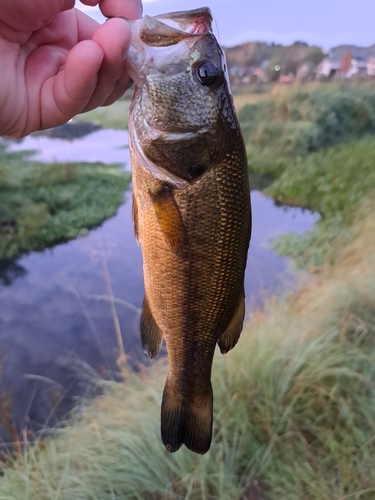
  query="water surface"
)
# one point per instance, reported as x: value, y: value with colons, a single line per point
x: 55, y: 313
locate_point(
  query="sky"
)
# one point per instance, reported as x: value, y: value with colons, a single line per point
x: 326, y: 23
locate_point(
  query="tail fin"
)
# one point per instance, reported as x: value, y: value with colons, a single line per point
x: 186, y: 422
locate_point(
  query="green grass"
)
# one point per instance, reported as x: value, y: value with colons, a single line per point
x: 44, y: 204
x: 293, y: 413
x: 294, y: 401
x: 296, y: 122
x: 314, y: 147
x: 113, y: 117
x: 334, y: 182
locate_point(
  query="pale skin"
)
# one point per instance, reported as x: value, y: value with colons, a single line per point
x: 56, y: 62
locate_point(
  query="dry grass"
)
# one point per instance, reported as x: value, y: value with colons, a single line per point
x: 294, y: 411
x: 114, y: 116
x: 240, y: 100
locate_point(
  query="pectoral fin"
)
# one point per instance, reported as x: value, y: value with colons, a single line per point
x: 151, y: 336
x: 230, y: 337
x: 170, y: 221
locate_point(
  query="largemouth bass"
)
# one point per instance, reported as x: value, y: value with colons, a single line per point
x: 191, y: 209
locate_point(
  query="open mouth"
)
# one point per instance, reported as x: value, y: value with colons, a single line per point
x: 169, y: 29
x: 164, y: 37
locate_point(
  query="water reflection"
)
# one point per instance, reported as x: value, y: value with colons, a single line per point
x: 10, y: 271
x: 103, y: 145
x: 55, y: 314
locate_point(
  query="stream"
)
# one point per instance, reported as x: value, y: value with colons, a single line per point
x: 57, y: 328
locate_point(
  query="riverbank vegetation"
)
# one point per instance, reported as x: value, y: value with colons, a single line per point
x: 334, y: 182
x: 295, y: 400
x: 293, y: 414
x: 114, y: 116
x: 308, y: 145
x: 294, y: 123
x: 44, y: 204
x: 314, y: 147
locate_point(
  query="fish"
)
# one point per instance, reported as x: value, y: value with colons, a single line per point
x: 191, y: 211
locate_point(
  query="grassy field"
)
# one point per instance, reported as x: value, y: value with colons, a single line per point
x: 314, y: 146
x: 44, y: 204
x: 294, y: 409
x: 293, y: 413
x: 114, y: 116
x: 335, y: 182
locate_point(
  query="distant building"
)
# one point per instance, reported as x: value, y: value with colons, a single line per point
x: 324, y: 69
x: 352, y: 66
x: 358, y: 68
x: 327, y: 68
x: 345, y: 65
x: 370, y: 66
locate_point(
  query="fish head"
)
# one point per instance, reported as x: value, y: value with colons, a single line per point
x: 182, y: 108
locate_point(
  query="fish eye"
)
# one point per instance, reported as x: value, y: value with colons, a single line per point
x: 207, y: 72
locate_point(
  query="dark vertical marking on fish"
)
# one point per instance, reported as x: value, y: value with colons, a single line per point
x: 151, y: 336
x: 170, y: 220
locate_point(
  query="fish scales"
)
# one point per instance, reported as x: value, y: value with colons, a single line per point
x: 193, y: 221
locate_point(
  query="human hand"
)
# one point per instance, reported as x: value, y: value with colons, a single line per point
x: 57, y: 62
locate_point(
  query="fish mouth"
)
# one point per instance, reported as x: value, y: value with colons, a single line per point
x: 178, y: 31
x: 168, y: 29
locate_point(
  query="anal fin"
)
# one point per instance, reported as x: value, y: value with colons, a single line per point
x: 151, y: 336
x: 229, y: 338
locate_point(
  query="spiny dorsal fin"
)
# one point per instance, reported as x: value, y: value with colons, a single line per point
x: 229, y: 338
x: 170, y: 221
x: 151, y: 336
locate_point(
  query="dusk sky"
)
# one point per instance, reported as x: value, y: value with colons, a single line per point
x: 322, y: 22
